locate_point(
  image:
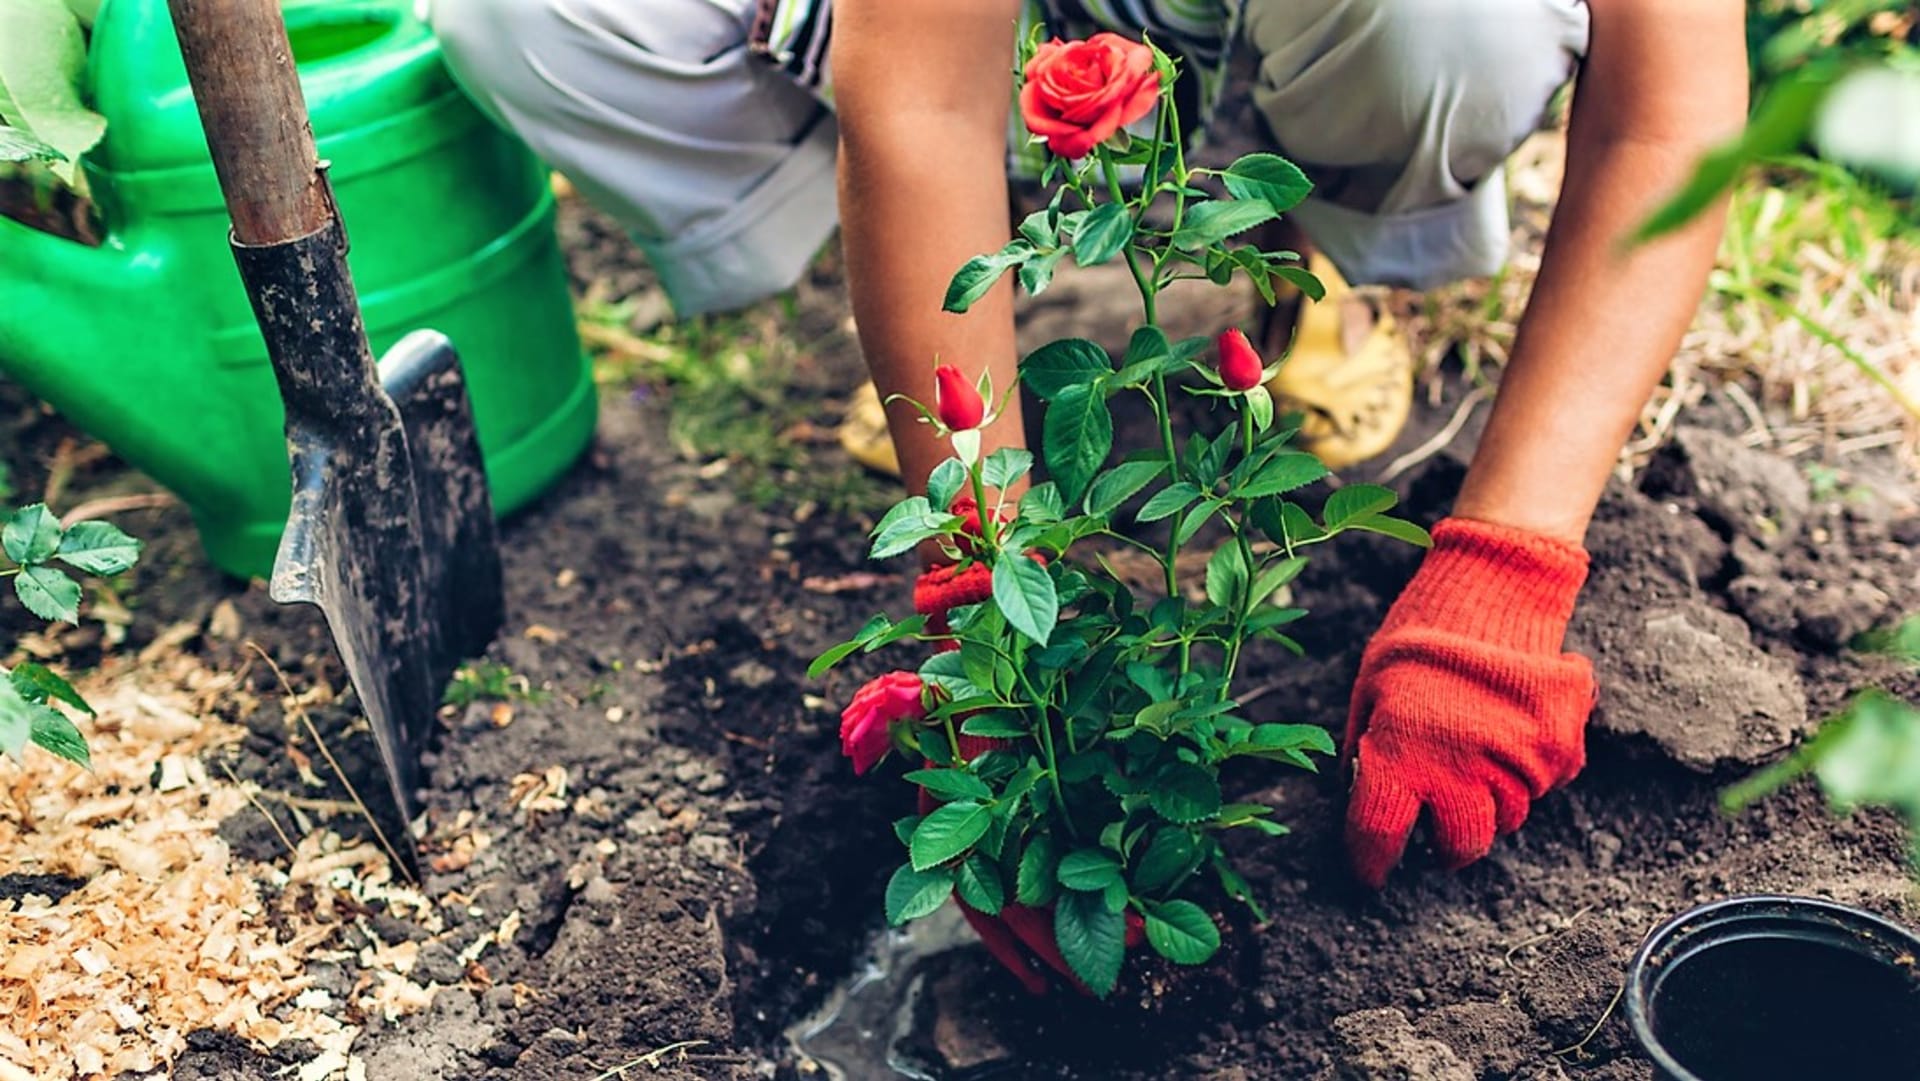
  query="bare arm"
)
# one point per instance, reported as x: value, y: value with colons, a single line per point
x: 922, y: 89
x: 1663, y: 82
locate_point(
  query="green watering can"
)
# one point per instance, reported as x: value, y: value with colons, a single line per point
x: 148, y: 341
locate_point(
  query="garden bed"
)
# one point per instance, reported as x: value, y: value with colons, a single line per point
x: 645, y: 850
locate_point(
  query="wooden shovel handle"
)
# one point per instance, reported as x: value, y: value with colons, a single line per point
x: 242, y: 71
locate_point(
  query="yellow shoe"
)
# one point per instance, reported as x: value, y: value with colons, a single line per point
x: 864, y: 435
x: 1350, y: 371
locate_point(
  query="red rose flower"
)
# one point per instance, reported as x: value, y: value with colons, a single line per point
x: 1240, y: 367
x: 866, y: 725
x: 1078, y: 93
x: 956, y: 400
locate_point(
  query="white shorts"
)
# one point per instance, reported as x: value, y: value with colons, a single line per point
x: 715, y: 146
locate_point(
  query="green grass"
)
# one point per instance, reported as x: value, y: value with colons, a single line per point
x: 489, y: 681
x: 732, y: 396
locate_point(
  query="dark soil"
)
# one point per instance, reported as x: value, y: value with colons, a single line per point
x: 712, y: 867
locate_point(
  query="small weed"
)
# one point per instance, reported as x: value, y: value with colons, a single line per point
x: 489, y: 681
x: 733, y: 395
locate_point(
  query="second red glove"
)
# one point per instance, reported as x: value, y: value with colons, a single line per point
x: 1466, y: 707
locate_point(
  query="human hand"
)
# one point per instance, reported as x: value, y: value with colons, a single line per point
x: 1465, y: 706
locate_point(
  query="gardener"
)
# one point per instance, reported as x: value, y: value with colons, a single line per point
x: 703, y: 125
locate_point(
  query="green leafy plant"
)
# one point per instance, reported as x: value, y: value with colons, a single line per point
x: 41, y: 551
x: 1822, y: 75
x: 1075, y: 730
x: 42, y: 53
x: 489, y: 681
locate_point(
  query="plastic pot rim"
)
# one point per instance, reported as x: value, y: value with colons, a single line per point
x: 1665, y: 944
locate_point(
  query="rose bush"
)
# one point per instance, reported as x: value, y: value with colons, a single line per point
x: 1072, y: 728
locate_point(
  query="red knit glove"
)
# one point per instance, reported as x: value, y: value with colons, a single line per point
x: 1465, y: 705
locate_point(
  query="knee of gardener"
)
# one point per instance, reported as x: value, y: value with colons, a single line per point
x: 1374, y: 86
x: 527, y: 61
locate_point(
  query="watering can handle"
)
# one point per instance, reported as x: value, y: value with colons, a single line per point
x: 241, y: 68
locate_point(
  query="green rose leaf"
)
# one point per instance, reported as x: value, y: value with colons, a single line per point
x: 1398, y: 528
x: 912, y: 894
x: 1185, y: 793
x: 945, y: 482
x: 16, y: 720
x: 1296, y: 525
x: 1089, y: 869
x: 1059, y: 366
x: 1092, y: 938
x: 38, y: 683
x: 950, y: 830
x: 1035, y: 883
x: 48, y: 593
x: 978, y: 883
x: 1194, y: 519
x: 1357, y: 501
x: 55, y: 734
x: 1169, y: 501
x: 911, y: 521
x: 1226, y: 574
x: 1077, y: 435
x: 979, y: 273
x: 1302, y: 279
x: 903, y: 828
x: 1004, y: 466
x: 1169, y: 857
x: 950, y: 784
x: 32, y: 535
x: 997, y: 724
x: 1121, y: 483
x: 1210, y: 223
x: 1276, y: 576
x: 1284, y: 472
x: 1024, y: 593
x: 98, y: 548
x: 1102, y: 234
x: 1182, y: 932
x: 1269, y: 178
x: 1037, y: 272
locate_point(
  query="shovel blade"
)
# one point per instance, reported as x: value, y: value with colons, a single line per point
x: 392, y: 537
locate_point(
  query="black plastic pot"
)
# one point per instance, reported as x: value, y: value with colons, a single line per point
x: 1778, y: 989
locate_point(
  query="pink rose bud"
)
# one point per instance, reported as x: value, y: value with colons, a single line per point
x: 866, y: 725
x: 1240, y: 366
x: 957, y: 402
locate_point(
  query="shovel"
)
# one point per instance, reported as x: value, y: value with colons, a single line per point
x: 391, y: 534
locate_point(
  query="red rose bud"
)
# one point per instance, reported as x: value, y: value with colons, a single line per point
x: 956, y: 400
x: 1077, y: 94
x: 866, y: 725
x: 1240, y: 365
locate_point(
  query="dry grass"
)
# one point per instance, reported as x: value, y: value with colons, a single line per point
x: 1810, y: 328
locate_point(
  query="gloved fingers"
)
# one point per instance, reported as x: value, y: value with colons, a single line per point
x: 1511, y: 802
x: 1380, y: 815
x: 1463, y: 826
x: 1005, y: 947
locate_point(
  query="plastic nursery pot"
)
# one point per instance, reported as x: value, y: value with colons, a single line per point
x: 1777, y: 989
